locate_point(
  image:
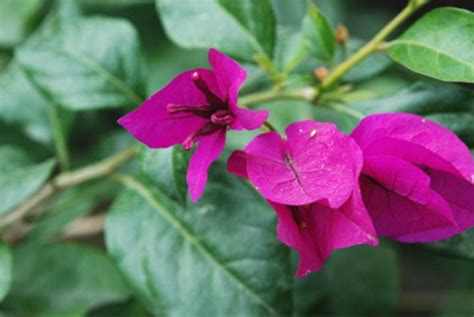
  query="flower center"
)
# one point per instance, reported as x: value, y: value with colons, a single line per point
x: 222, y: 118
x: 216, y: 111
x: 211, y: 98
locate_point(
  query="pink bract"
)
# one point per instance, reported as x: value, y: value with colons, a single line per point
x: 197, y: 106
x: 314, y: 162
x: 417, y: 178
x: 310, y: 178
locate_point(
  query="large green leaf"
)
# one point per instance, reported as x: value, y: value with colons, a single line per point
x: 165, y: 61
x: 439, y: 45
x: 21, y: 104
x: 238, y: 28
x: 6, y: 268
x: 19, y: 176
x: 62, y: 279
x: 16, y: 18
x: 219, y: 257
x: 87, y: 63
x: 357, y: 281
x: 318, y: 31
x: 167, y: 169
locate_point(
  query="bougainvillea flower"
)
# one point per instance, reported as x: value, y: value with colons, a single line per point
x: 310, y: 178
x: 418, y: 177
x: 197, y: 106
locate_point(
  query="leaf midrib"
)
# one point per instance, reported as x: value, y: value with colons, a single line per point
x: 139, y: 188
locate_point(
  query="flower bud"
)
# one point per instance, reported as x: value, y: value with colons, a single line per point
x: 321, y: 73
x: 342, y: 34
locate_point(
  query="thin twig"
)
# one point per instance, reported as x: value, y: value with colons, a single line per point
x: 66, y: 180
x: 84, y: 227
x: 373, y: 44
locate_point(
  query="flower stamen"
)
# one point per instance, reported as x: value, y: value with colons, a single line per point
x: 206, y: 129
x: 211, y: 98
x: 204, y: 111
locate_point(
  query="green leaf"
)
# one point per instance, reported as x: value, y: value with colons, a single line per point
x: 167, y: 169
x: 16, y: 18
x: 11, y: 135
x: 439, y: 45
x: 291, y: 50
x: 19, y: 176
x: 107, y: 4
x: 460, y: 245
x: 290, y: 13
x: 421, y: 98
x: 283, y: 113
x: 125, y: 309
x: 87, y: 63
x: 449, y: 105
x: 62, y: 279
x: 5, y: 58
x: 165, y: 60
x: 238, y: 28
x: 16, y: 91
x: 226, y: 243
x: 70, y: 205
x: 356, y: 281
x: 6, y: 269
x: 318, y: 30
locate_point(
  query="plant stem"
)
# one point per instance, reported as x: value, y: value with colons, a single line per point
x: 373, y: 44
x: 66, y: 180
x: 265, y: 63
x: 84, y: 227
x: 307, y: 93
x: 59, y: 138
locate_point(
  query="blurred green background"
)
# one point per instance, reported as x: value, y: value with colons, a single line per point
x: 394, y: 279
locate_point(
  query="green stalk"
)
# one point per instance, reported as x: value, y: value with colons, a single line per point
x: 67, y: 180
x: 373, y: 44
x: 307, y: 93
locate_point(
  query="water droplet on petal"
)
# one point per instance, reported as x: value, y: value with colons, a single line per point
x: 313, y: 133
x: 423, y: 120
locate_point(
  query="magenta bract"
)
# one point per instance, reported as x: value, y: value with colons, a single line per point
x: 417, y: 180
x: 310, y: 178
x: 197, y: 106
